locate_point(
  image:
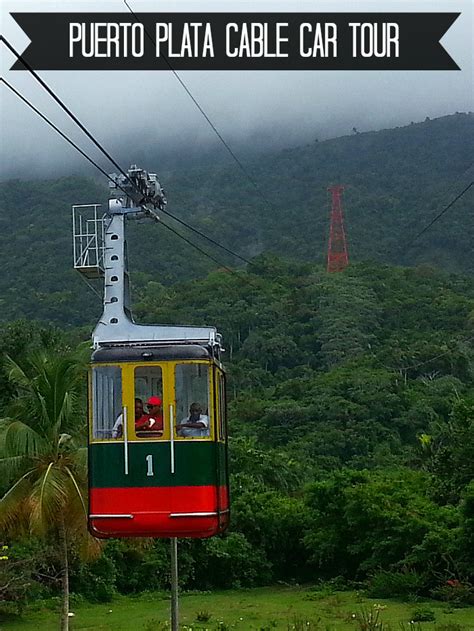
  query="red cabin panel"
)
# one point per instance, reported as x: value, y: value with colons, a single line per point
x: 185, y: 511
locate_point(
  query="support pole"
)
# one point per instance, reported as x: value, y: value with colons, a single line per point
x: 174, y: 585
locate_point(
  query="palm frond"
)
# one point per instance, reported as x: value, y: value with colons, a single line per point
x: 43, y: 433
x: 30, y: 404
x: 44, y: 482
x: 89, y: 548
x: 80, y: 458
x: 16, y: 375
x: 48, y: 394
x: 22, y: 439
x: 68, y: 412
x: 77, y: 489
x: 48, y: 498
x: 12, y: 504
x: 12, y: 466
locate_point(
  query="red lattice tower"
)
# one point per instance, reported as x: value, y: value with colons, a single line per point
x: 338, y: 258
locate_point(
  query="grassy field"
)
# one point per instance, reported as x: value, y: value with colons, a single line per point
x: 264, y: 609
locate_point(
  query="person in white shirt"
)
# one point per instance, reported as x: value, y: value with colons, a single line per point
x: 117, y: 430
x: 196, y: 425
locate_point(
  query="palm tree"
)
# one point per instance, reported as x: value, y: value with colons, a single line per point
x: 43, y: 459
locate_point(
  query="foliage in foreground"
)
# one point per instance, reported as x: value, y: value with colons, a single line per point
x: 43, y: 462
x: 351, y: 414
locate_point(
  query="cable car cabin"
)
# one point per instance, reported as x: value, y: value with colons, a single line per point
x: 157, y: 442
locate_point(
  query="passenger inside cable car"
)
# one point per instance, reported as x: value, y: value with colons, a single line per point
x: 192, y: 387
x: 149, y: 386
x: 117, y: 429
x: 151, y: 425
x: 196, y: 425
x: 192, y: 403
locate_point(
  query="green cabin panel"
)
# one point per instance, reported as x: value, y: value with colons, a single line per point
x: 195, y: 464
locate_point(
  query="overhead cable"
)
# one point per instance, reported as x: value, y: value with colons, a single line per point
x: 196, y: 247
x: 97, y: 166
x: 101, y: 148
x: 201, y: 234
x: 61, y: 104
x: 440, y: 214
x: 434, y: 358
x: 204, y: 114
x: 56, y: 129
x: 449, y: 189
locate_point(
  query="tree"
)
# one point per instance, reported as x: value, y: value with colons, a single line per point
x: 362, y: 522
x: 43, y: 461
x: 21, y: 337
x: 448, y: 452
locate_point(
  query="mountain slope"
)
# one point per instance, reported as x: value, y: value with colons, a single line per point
x: 396, y: 180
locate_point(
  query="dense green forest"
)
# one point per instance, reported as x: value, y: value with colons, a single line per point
x: 351, y: 420
x: 396, y: 181
x: 351, y: 395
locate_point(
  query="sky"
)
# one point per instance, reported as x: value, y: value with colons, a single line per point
x: 131, y: 110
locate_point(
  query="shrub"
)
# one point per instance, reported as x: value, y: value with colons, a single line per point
x: 230, y: 561
x: 395, y: 584
x: 203, y: 616
x: 423, y: 614
x: 18, y: 585
x: 95, y: 581
x: 455, y: 593
x: 369, y: 619
x: 139, y: 565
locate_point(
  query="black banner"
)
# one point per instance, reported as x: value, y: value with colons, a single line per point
x: 236, y: 41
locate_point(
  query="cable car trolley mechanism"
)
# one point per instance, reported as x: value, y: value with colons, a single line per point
x: 157, y: 423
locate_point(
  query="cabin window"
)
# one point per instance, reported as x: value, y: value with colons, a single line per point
x: 148, y: 402
x: 107, y: 420
x: 192, y: 401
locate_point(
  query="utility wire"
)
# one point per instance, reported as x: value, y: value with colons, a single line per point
x: 247, y: 281
x: 440, y: 214
x: 201, y: 234
x: 73, y: 144
x: 53, y: 95
x: 401, y: 250
x: 56, y: 129
x: 428, y: 361
x: 101, y: 148
x: 62, y: 104
x: 196, y: 247
x: 202, y: 111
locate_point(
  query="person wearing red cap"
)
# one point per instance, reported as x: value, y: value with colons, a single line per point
x: 153, y: 421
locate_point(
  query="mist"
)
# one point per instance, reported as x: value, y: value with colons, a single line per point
x: 135, y: 113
